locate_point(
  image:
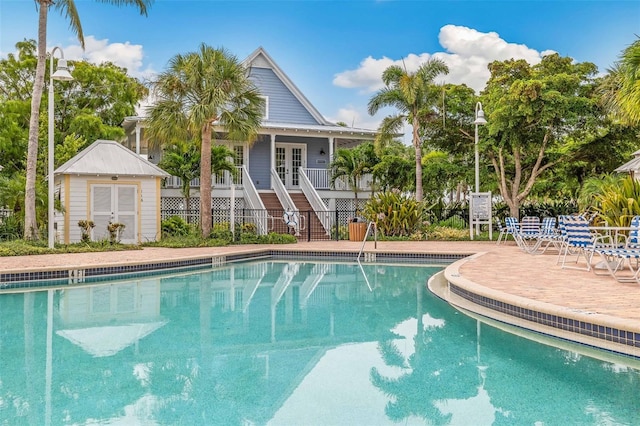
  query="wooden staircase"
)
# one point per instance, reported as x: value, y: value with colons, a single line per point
x: 276, y: 211
x: 317, y: 231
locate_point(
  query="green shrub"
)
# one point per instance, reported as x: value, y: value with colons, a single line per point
x: 447, y: 234
x: 270, y: 238
x: 221, y: 231
x: 175, y: 226
x: 343, y: 232
x: 11, y: 227
x: 455, y: 222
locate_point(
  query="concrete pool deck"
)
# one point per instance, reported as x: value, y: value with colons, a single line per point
x: 500, y: 269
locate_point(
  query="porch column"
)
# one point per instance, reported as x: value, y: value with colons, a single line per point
x: 272, y: 152
x: 330, y: 148
x: 138, y: 137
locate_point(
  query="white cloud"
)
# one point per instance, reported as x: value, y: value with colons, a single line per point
x: 126, y: 55
x: 468, y: 52
x: 354, y: 117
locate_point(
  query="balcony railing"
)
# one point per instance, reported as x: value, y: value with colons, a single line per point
x: 319, y: 178
x: 219, y: 180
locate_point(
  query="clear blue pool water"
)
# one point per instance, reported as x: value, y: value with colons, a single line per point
x: 287, y: 343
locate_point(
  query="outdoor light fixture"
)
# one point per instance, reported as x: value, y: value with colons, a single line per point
x: 321, y: 151
x: 62, y: 74
x: 480, y: 120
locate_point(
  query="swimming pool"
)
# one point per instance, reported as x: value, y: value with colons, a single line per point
x: 272, y: 342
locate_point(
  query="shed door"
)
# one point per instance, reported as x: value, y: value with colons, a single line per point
x: 114, y: 203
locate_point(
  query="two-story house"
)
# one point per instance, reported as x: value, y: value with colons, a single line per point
x: 284, y: 170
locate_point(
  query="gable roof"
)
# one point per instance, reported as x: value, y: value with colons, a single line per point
x: 105, y: 157
x: 261, y: 59
x: 632, y: 165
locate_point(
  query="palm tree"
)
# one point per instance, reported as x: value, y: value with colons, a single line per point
x: 201, y: 90
x: 350, y: 164
x: 629, y: 96
x: 413, y: 96
x: 68, y: 9
x: 182, y: 160
x: 620, y: 88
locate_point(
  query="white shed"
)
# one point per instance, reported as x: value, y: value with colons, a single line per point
x: 107, y: 182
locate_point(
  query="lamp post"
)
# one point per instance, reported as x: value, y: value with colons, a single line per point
x: 62, y: 74
x: 479, y: 120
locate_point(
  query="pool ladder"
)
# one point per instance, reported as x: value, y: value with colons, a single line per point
x: 372, y: 225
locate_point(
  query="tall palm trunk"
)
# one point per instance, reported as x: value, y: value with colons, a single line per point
x: 418, y: 147
x: 205, y: 181
x: 30, y: 225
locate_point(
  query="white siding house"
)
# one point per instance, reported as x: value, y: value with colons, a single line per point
x: 107, y: 182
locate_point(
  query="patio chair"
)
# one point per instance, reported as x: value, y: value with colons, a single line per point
x: 615, y: 258
x: 504, y: 232
x: 549, y: 236
x: 513, y: 228
x: 581, y: 242
x: 529, y: 232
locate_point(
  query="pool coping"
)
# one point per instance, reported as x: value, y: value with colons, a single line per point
x: 39, y: 278
x: 603, y: 331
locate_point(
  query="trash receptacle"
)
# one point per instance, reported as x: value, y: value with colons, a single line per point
x: 357, y: 230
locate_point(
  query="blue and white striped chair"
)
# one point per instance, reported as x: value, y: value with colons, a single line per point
x: 548, y: 236
x: 529, y: 232
x: 580, y: 242
x: 626, y: 258
x: 504, y: 232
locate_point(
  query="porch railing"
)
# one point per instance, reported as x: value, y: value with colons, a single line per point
x: 321, y: 179
x: 283, y: 196
x: 218, y: 180
x: 252, y: 198
x: 318, y: 206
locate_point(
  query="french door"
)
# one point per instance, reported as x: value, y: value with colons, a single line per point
x: 289, y: 159
x: 117, y: 204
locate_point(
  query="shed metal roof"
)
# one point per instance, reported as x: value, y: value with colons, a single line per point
x: 105, y: 157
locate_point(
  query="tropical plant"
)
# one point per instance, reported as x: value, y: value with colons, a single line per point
x: 413, y: 96
x: 175, y: 226
x: 617, y: 203
x: 182, y: 159
x: 68, y: 9
x: 85, y: 230
x: 394, y: 213
x: 201, y: 90
x: 115, y: 231
x: 621, y: 87
x: 351, y: 165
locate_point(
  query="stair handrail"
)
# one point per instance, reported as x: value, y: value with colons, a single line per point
x: 366, y: 234
x: 251, y: 196
x: 318, y: 206
x: 284, y: 197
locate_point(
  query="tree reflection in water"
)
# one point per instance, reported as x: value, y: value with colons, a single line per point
x: 442, y: 367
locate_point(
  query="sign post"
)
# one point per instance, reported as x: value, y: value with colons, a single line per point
x: 480, y: 212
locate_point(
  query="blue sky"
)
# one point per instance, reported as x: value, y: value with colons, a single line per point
x: 335, y: 51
